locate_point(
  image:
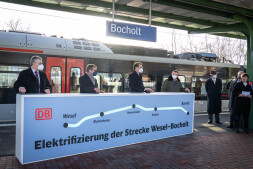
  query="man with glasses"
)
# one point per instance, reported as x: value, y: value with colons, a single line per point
x: 135, y: 79
x: 88, y: 83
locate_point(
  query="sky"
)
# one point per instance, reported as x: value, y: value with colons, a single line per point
x: 71, y: 25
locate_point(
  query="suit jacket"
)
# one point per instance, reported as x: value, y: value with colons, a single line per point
x: 213, y: 96
x: 86, y: 85
x: 28, y: 80
x: 135, y: 82
x: 172, y: 86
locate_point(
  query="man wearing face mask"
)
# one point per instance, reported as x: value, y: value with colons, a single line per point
x: 173, y: 84
x: 232, y: 98
x: 135, y: 79
x: 233, y: 78
x: 88, y: 83
x: 33, y: 80
x: 213, y: 88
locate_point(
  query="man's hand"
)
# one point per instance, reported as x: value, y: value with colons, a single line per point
x: 250, y: 96
x: 97, y: 90
x: 149, y: 90
x: 21, y: 90
x: 187, y: 90
x: 241, y: 95
x: 47, y: 91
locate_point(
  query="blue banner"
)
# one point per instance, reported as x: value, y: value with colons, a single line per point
x: 52, y: 126
x: 131, y: 31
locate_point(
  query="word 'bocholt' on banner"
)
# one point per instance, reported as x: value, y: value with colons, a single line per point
x: 131, y: 31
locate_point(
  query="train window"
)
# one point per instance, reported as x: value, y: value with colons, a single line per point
x: 8, y: 76
x: 149, y: 81
x: 7, y: 80
x: 74, y: 86
x: 198, y: 86
x: 182, y: 80
x: 110, y: 82
x: 55, y: 79
x: 12, y: 68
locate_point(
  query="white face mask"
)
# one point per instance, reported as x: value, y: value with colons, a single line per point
x: 174, y: 76
x: 141, y: 70
x: 40, y: 67
x: 214, y: 76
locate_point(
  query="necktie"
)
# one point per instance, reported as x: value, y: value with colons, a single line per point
x: 213, y: 81
x: 38, y: 82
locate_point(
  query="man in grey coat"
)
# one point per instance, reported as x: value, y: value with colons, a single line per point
x: 173, y: 84
x: 231, y: 98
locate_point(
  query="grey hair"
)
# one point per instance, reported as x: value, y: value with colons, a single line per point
x: 239, y: 72
x: 34, y: 59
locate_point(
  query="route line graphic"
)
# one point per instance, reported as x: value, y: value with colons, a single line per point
x: 120, y: 110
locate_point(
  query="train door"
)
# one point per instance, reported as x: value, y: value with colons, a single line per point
x: 75, y: 69
x: 64, y: 73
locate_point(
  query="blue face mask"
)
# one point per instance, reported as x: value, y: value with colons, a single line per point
x: 95, y: 73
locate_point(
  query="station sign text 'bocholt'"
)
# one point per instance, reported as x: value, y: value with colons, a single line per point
x: 131, y: 31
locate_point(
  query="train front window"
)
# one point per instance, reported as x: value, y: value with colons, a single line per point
x: 55, y: 79
x: 74, y: 86
x: 110, y: 82
x: 8, y: 76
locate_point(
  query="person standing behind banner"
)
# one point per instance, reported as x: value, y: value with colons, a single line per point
x: 231, y: 98
x: 88, y: 83
x: 233, y: 78
x: 213, y: 88
x: 135, y: 79
x: 33, y: 80
x: 242, y: 93
x: 173, y: 84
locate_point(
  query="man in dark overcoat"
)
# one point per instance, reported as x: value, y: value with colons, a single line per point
x: 231, y: 98
x: 213, y: 88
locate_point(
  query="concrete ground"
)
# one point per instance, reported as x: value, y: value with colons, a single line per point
x: 210, y: 146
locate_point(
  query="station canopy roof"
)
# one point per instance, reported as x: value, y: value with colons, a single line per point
x: 190, y: 15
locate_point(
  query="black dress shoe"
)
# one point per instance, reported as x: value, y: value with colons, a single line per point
x: 246, y: 131
x: 236, y: 130
x: 230, y: 126
x: 210, y: 122
x: 218, y: 122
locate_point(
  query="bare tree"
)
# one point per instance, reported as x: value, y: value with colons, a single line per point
x: 16, y: 24
x: 229, y: 49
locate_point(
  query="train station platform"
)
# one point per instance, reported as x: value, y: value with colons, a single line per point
x: 210, y: 146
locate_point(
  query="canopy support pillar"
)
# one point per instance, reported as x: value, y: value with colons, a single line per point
x: 249, y: 24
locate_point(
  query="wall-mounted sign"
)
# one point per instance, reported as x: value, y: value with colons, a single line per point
x: 131, y: 31
x: 52, y: 126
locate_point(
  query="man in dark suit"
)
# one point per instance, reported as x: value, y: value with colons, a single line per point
x: 33, y: 80
x: 213, y: 88
x: 232, y: 98
x: 135, y: 79
x: 87, y: 82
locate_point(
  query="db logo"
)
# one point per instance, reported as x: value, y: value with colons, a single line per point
x: 43, y: 114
